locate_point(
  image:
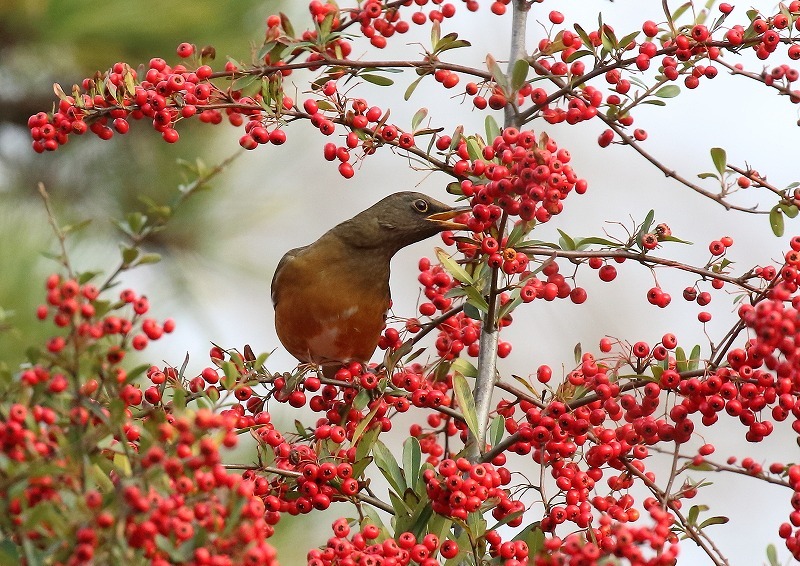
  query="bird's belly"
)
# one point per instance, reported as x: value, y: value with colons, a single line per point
x: 325, y: 328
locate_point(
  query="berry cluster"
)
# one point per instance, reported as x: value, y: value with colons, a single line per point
x: 518, y: 174
x: 364, y: 548
x: 460, y: 488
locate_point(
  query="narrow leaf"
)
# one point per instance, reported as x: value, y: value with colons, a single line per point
x: 412, y: 87
x: 497, y: 73
x: 377, y: 79
x: 648, y: 221
x: 418, y: 117
x: 680, y: 10
x: 680, y: 359
x: 466, y: 402
x: 694, y: 359
x: 362, y: 425
x: 492, y: 129
x: 388, y: 466
x: 464, y: 367
x: 364, y: 447
x: 496, y: 430
x: 720, y: 159
x: 519, y: 74
x: 452, y: 267
x: 713, y: 521
x: 148, y: 258
x: 567, y: 243
x: 668, y: 91
x: 772, y: 555
x: 412, y: 460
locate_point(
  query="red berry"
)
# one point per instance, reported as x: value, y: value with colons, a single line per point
x: 607, y: 273
x: 185, y: 50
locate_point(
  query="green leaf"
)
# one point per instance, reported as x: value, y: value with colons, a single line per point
x: 401, y: 508
x: 148, y: 258
x: 772, y: 555
x: 436, y: 33
x: 534, y: 537
x: 412, y: 460
x: 497, y: 73
x: 360, y: 465
x: 101, y: 478
x: 129, y: 255
x: 78, y: 226
x: 648, y: 221
x: 492, y: 129
x: 599, y: 241
x: 708, y: 175
x: 626, y: 40
x: 362, y: 425
x: 417, y: 521
x: 9, y: 553
x: 668, y: 91
x: 713, y: 521
x: 575, y: 55
x: 680, y: 10
x: 680, y: 359
x: 466, y: 402
x: 676, y: 240
x: 720, y: 159
x: 496, y: 430
x: 519, y: 74
x: 582, y: 34
x: 566, y: 242
x: 450, y: 41
x: 653, y: 102
x: 474, y: 148
x: 464, y: 367
x: 418, y: 117
x: 789, y: 210
x: 577, y: 351
x: 388, y: 466
x: 694, y: 512
x: 694, y: 360
x: 136, y: 221
x: 452, y: 267
x: 377, y: 79
x: 476, y: 524
x: 609, y: 39
x: 471, y: 311
x: 526, y: 385
x: 286, y: 24
x: 776, y: 221
x: 372, y: 516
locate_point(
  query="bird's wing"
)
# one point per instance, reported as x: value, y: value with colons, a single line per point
x: 287, y: 257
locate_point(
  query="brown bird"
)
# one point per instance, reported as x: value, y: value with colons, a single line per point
x: 331, y: 296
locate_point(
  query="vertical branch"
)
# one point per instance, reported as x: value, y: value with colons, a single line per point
x: 517, y: 51
x: 487, y: 356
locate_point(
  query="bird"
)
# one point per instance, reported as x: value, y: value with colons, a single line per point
x: 331, y: 297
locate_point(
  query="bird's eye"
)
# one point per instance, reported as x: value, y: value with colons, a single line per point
x: 421, y: 205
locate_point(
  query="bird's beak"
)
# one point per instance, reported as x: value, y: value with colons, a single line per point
x: 443, y: 219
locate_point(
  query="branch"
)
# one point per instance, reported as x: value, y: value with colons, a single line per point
x: 691, y: 530
x: 563, y: 85
x: 645, y: 259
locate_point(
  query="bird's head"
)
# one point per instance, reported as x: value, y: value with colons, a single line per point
x: 400, y: 220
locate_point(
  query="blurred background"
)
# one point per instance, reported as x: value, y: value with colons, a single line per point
x: 220, y: 251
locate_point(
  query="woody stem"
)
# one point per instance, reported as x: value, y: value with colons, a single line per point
x: 487, y: 356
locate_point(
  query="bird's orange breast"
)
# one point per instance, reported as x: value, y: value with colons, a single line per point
x: 328, y: 307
